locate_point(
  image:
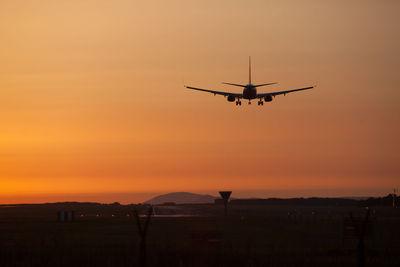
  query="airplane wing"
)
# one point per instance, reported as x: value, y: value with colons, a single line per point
x: 283, y: 92
x: 215, y: 92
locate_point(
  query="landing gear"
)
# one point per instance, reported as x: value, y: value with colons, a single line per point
x: 260, y: 103
x: 249, y: 103
x: 238, y: 103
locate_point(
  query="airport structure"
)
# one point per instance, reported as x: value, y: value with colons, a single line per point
x: 225, y: 196
x: 65, y: 216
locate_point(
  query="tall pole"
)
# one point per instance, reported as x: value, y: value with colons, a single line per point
x: 361, y: 235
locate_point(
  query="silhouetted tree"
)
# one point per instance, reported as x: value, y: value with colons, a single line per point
x: 143, y: 235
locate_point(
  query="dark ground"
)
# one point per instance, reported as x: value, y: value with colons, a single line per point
x: 253, y: 235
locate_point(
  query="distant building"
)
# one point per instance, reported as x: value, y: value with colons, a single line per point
x: 65, y: 216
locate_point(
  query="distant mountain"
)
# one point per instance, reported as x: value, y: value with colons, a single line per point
x: 181, y: 198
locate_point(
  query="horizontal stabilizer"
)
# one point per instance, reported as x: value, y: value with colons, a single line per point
x: 235, y: 84
x: 264, y: 84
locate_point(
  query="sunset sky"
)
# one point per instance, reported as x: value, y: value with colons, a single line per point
x: 93, y: 108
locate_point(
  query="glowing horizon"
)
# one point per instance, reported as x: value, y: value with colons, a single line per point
x: 93, y: 105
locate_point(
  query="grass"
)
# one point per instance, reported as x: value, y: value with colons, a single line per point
x: 251, y: 236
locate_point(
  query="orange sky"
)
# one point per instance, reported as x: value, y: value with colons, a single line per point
x: 92, y: 104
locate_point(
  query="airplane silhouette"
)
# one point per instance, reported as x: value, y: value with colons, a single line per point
x: 250, y: 91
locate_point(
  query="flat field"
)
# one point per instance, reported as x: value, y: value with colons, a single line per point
x: 253, y: 235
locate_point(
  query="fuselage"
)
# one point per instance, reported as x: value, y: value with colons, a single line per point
x: 249, y: 92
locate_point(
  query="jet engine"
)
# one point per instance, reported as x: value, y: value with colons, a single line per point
x: 231, y: 98
x: 268, y: 98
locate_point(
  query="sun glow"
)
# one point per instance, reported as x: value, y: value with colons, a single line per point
x: 92, y: 99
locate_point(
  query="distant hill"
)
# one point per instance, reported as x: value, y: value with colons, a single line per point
x: 181, y: 198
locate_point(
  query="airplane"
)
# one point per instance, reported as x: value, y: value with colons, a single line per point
x: 250, y: 91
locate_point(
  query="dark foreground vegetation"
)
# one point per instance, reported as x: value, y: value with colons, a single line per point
x: 252, y: 235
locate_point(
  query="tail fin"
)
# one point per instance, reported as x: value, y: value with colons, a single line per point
x: 249, y: 70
